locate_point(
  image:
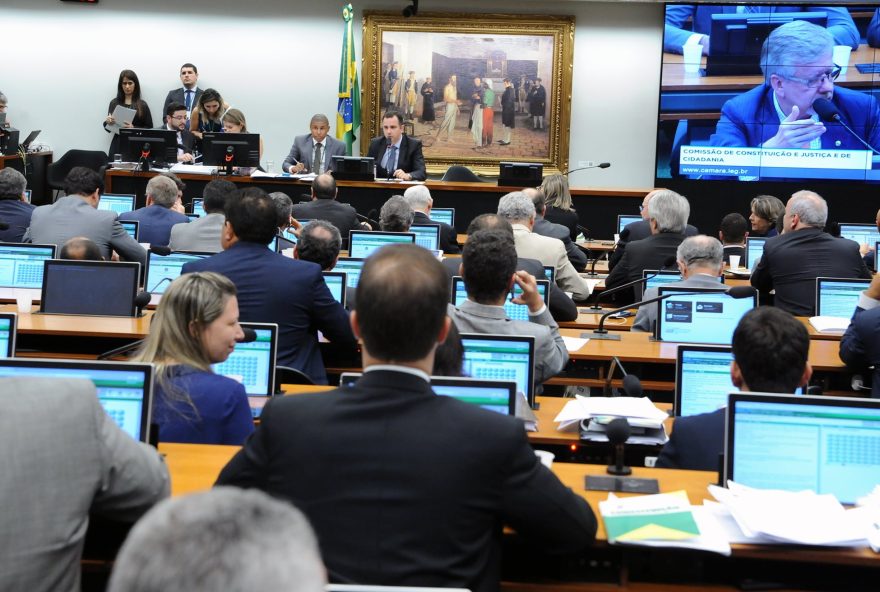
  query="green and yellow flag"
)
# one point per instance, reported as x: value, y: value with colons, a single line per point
x: 348, y: 112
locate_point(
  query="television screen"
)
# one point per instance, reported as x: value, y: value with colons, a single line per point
x: 767, y: 93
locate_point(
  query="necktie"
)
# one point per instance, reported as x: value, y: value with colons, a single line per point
x: 189, y: 100
x: 316, y: 162
x: 391, y: 165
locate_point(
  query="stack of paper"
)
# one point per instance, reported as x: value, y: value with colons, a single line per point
x: 193, y: 169
x: 592, y: 414
x: 829, y: 324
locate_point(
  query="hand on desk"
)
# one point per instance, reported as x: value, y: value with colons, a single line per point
x: 794, y: 132
x: 185, y: 157
x: 400, y: 174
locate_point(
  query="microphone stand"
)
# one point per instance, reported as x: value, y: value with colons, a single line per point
x: 597, y: 308
x: 601, y: 165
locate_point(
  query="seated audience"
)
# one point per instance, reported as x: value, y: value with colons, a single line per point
x: 81, y: 249
x: 700, y: 261
x: 733, y: 233
x: 766, y: 216
x: 860, y: 346
x: 196, y: 325
x: 419, y: 199
x: 519, y: 210
x: 325, y: 207
x: 76, y: 214
x: 284, y: 209
x: 488, y: 266
x: 770, y: 349
x: 273, y: 288
x: 545, y: 228
x: 667, y: 217
x: 15, y: 211
x: 475, y: 472
x: 319, y: 242
x: 157, y: 218
x: 204, y: 233
x: 185, y: 544
x: 181, y: 186
x: 64, y: 458
x: 560, y: 210
x: 791, y: 263
x: 395, y: 215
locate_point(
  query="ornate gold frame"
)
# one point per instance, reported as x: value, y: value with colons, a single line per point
x: 561, y: 28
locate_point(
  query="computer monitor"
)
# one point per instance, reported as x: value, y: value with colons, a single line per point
x: 253, y: 364
x: 700, y: 315
x: 224, y: 149
x: 69, y: 287
x: 354, y: 168
x: 7, y: 334
x: 516, y: 312
x: 155, y: 145
x: 754, y: 250
x: 116, y: 202
x: 125, y: 389
x: 838, y: 297
x: 427, y: 235
x: 501, y: 357
x: 824, y: 444
x: 624, y: 219
x: 28, y: 194
x: 660, y: 277
x: 352, y: 268
x: 362, y: 243
x: 21, y: 267
x: 864, y: 234
x: 197, y: 205
x: 550, y: 274
x: 336, y: 282
x: 702, y: 379
x: 520, y: 174
x: 443, y: 215
x: 281, y: 243
x: 131, y: 227
x: 163, y: 269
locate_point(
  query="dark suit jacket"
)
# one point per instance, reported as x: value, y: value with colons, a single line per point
x: 176, y: 96
x: 155, y: 223
x: 695, y: 443
x: 860, y: 346
x: 735, y: 250
x: 873, y: 33
x: 448, y: 236
x: 567, y: 218
x: 17, y: 214
x: 648, y: 253
x: 273, y: 288
x: 637, y: 231
x: 404, y: 487
x: 792, y: 261
x: 340, y: 215
x: 562, y: 308
x: 546, y: 228
x: 410, y: 158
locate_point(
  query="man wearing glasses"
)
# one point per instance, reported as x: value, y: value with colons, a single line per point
x: 798, y: 69
x: 175, y: 120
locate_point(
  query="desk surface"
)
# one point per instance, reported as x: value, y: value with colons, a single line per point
x: 85, y: 326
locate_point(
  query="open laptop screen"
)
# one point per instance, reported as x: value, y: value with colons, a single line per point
x: 253, y: 363
x: 69, y: 287
x: 131, y: 227
x: 702, y: 379
x: 699, y: 316
x: 665, y: 276
x: 362, y: 243
x: 352, y: 268
x: 517, y: 312
x: 754, y: 250
x: 501, y: 357
x: 443, y: 215
x: 164, y: 269
x: 825, y: 444
x: 838, y: 297
x: 125, y: 389
x: 118, y: 203
x: 624, y: 219
x: 7, y: 334
x: 198, y: 207
x: 427, y: 235
x: 335, y: 280
x: 21, y: 265
x: 864, y: 234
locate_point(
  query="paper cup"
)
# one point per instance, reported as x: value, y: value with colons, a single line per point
x: 23, y: 301
x: 840, y: 57
x: 545, y: 457
x: 734, y: 261
x: 693, y: 57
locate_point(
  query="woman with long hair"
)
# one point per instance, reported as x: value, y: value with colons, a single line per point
x: 559, y: 208
x: 207, y: 115
x: 235, y: 123
x: 128, y: 94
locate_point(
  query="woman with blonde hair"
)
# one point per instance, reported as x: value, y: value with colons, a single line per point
x: 235, y: 123
x: 196, y: 325
x: 558, y: 200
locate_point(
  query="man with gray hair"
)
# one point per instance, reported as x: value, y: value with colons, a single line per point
x: 223, y: 539
x: 314, y: 152
x: 319, y: 242
x: 667, y: 218
x: 796, y: 59
x: 792, y: 261
x: 155, y: 220
x: 14, y: 207
x: 420, y: 200
x: 700, y: 260
x: 396, y: 215
x: 518, y: 209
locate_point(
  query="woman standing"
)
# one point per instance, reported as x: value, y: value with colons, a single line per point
x: 128, y: 94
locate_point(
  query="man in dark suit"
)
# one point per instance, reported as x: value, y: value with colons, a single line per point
x: 188, y: 94
x: 546, y: 228
x: 732, y: 234
x: 420, y: 200
x: 325, y: 207
x: 275, y: 289
x: 175, y: 120
x: 15, y: 211
x: 668, y: 217
x: 406, y: 487
x: 791, y: 262
x: 860, y: 346
x: 157, y: 218
x: 313, y: 152
x: 770, y: 349
x: 397, y: 155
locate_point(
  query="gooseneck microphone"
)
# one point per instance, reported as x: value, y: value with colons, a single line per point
x: 601, y: 165
x: 668, y: 262
x: 829, y: 112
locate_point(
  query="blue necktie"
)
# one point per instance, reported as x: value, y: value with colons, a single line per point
x: 391, y: 163
x: 189, y: 100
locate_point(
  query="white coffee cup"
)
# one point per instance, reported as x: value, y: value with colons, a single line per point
x: 840, y: 57
x: 693, y: 57
x: 23, y: 300
x: 734, y: 261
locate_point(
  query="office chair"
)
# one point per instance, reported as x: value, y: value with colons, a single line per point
x: 287, y: 375
x: 461, y: 174
x: 57, y: 171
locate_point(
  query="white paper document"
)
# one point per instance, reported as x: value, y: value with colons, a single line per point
x: 829, y: 324
x: 122, y: 116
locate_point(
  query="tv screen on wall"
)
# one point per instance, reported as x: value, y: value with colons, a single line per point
x: 769, y: 93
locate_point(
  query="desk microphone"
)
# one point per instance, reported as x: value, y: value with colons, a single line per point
x: 601, y: 165
x: 668, y: 262
x: 618, y: 432
x: 141, y: 300
x: 367, y: 219
x: 829, y: 112
x: 592, y: 271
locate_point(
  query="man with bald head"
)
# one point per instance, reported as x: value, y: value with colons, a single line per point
x: 325, y: 207
x: 314, y: 152
x: 81, y: 248
x: 792, y: 261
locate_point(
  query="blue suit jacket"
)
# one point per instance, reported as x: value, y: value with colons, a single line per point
x: 840, y: 23
x: 750, y: 119
x: 873, y: 33
x: 17, y: 214
x: 155, y: 223
x: 860, y: 346
x: 695, y: 443
x: 273, y: 288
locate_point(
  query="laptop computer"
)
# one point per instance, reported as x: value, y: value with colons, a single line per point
x: 516, y: 312
x: 7, y: 334
x: 702, y: 379
x: 550, y: 273
x: 700, y: 315
x: 864, y: 234
x: 336, y: 282
x: 28, y: 194
x: 427, y: 235
x: 26, y: 145
x: 838, y: 297
x: 125, y: 389
x: 163, y: 269
x: 352, y: 268
x: 68, y: 287
x: 754, y: 250
x: 119, y: 203
x: 824, y: 444
x: 253, y: 364
x: 281, y: 243
x: 443, y: 215
x: 362, y: 243
x: 131, y: 227
x: 197, y: 206
x: 502, y: 357
x: 21, y: 268
x: 662, y: 277
x: 624, y: 219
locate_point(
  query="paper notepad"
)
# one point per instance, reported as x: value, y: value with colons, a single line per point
x: 123, y: 115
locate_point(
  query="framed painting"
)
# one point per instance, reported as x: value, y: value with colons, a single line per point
x: 475, y: 89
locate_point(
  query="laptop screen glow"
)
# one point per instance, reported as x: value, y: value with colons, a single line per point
x: 163, y: 269
x: 443, y: 215
x: 702, y: 380
x: 427, y: 236
x: 7, y: 335
x: 517, y: 312
x: 496, y: 358
x: 336, y: 283
x: 198, y: 207
x: 707, y: 317
x: 252, y: 364
x: 864, y: 234
x: 624, y: 219
x: 131, y: 227
x: 363, y: 243
x: 838, y: 297
x: 116, y: 203
x: 491, y: 395
x: 754, y: 250
x: 21, y: 266
x: 352, y: 269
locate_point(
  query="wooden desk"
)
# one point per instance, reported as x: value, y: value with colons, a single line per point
x: 34, y: 169
x: 599, y: 246
x: 80, y: 326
